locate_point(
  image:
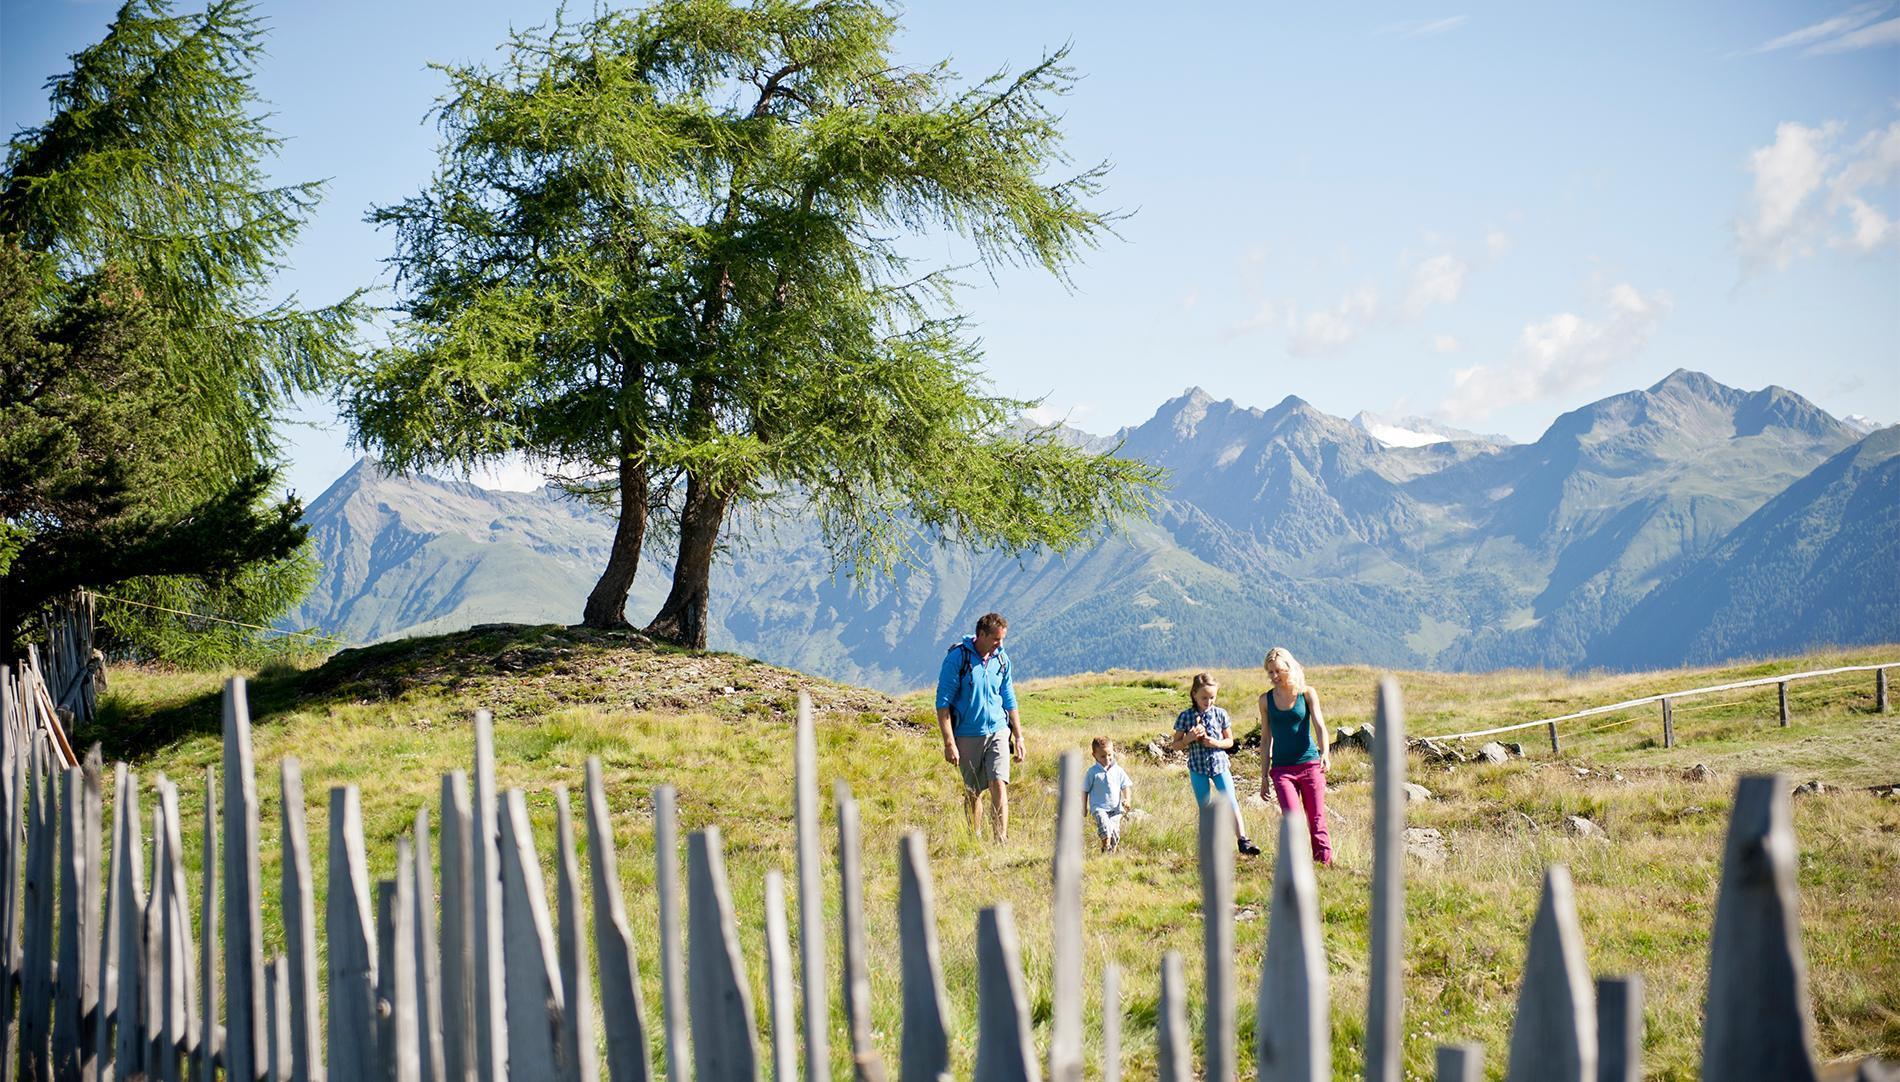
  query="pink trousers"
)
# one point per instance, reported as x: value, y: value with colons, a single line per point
x: 1307, y: 783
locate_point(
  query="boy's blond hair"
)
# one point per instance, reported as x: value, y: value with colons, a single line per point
x: 1102, y: 744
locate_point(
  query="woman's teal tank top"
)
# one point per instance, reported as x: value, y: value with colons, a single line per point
x: 1293, y: 742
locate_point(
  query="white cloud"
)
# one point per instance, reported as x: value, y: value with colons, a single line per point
x: 1558, y: 354
x: 1421, y: 28
x: 1496, y: 243
x: 1445, y: 343
x: 1045, y: 415
x: 1817, y: 35
x: 1331, y: 330
x: 1438, y: 280
x: 1809, y: 189
x: 1867, y: 37
x: 512, y: 473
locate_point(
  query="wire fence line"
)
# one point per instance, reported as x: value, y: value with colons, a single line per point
x: 103, y: 980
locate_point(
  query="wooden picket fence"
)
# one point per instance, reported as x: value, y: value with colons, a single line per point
x: 54, y: 688
x: 475, y: 976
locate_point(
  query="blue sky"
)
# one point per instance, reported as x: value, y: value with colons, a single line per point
x: 1490, y: 214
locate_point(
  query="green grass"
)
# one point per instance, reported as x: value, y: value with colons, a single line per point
x: 393, y: 722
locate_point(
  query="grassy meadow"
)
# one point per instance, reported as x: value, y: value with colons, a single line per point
x: 392, y: 726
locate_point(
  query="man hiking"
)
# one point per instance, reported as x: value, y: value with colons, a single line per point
x: 976, y: 709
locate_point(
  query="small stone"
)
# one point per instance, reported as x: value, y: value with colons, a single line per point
x: 1136, y: 815
x: 1516, y: 750
x: 1246, y: 912
x: 1493, y: 752
x: 1416, y: 793
x: 1583, y: 828
x: 1699, y: 772
x: 1155, y: 753
x: 1810, y: 788
x: 1427, y: 844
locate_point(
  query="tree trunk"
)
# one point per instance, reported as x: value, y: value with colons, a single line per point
x: 607, y: 605
x: 682, y: 619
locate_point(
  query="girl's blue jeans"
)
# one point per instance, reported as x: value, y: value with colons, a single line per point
x: 1222, y: 781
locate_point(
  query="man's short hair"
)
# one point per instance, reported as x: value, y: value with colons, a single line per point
x: 990, y: 623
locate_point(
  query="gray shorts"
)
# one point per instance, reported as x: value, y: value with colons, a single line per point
x: 1108, y: 822
x: 983, y: 759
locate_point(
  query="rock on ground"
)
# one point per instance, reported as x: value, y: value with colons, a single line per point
x: 1416, y: 793
x: 1583, y: 828
x: 1493, y: 752
x: 1427, y: 844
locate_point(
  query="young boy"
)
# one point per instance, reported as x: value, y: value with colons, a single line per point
x: 1107, y: 788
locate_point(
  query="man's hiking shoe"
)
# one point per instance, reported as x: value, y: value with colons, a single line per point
x: 1248, y: 848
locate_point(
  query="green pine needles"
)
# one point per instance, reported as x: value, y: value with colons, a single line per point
x: 667, y: 254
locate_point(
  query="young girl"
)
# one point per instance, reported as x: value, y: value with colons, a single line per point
x: 1294, y: 735
x: 1203, y: 729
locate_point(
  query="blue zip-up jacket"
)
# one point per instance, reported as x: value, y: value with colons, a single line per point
x: 979, y: 701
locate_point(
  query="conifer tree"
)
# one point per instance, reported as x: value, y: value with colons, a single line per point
x: 147, y: 362
x: 666, y: 253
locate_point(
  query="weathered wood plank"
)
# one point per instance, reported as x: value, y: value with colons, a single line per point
x: 1292, y: 1019
x: 489, y: 1007
x: 1174, y: 1056
x: 119, y: 986
x: 178, y: 982
x: 1005, y: 1042
x: 1385, y: 994
x: 277, y: 1004
x: 458, y: 930
x: 725, y: 1037
x: 622, y: 1006
x: 428, y: 955
x: 778, y: 981
x: 1217, y: 937
x: 1111, y: 1023
x: 13, y: 862
x: 396, y: 987
x: 91, y: 916
x: 867, y: 1065
x: 811, y: 919
x: 72, y: 879
x: 666, y: 883
x: 1065, y: 942
x: 300, y: 925
x: 243, y: 896
x: 577, y: 982
x: 208, y: 946
x: 42, y: 832
x: 926, y: 1050
x: 1555, y: 747
x: 535, y: 1002
x: 1554, y: 1033
x: 349, y: 936
x: 1758, y: 1022
x: 1620, y: 1029
x: 1880, y: 691
x: 1460, y: 1063
x: 1782, y: 694
x: 1669, y: 725
x: 152, y: 995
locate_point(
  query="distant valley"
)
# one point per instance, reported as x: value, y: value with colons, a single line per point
x: 1689, y: 521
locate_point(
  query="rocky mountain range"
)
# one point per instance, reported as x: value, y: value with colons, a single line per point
x: 1686, y: 521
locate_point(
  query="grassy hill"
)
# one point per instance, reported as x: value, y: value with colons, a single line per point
x: 393, y: 718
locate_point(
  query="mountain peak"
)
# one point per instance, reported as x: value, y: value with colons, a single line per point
x: 1683, y: 381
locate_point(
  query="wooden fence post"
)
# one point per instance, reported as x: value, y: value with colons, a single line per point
x: 1460, y: 1063
x: 1005, y: 1043
x: 1782, y: 697
x: 209, y: 942
x: 181, y: 1027
x: 1880, y: 691
x: 1293, y: 1023
x: 428, y: 956
x: 778, y: 981
x: 1555, y: 747
x: 92, y: 917
x: 926, y: 1049
x: 300, y: 925
x: 622, y: 1008
x: 125, y: 854
x: 1385, y: 993
x: 277, y: 1001
x: 491, y: 1022
x: 1759, y: 1022
x: 152, y: 996
x: 243, y: 895
x: 1217, y: 936
x: 536, y: 1004
x: 1111, y: 1023
x: 1173, y: 1054
x: 72, y: 875
x: 811, y: 916
x: 14, y: 853
x: 866, y: 1065
x: 126, y: 911
x: 36, y: 991
x: 348, y: 927
x: 1065, y: 941
x: 1554, y: 1032
x: 666, y: 883
x: 1669, y: 726
x: 577, y: 981
x: 396, y: 991
x: 459, y: 1059
x: 725, y: 1036
x: 1620, y: 1029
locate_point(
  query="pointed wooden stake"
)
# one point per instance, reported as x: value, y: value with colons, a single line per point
x: 811, y: 912
x: 622, y: 1007
x: 1065, y: 1026
x: 1292, y: 1022
x: 1174, y: 1055
x: 1554, y: 1034
x: 578, y: 1054
x: 243, y: 897
x: 926, y: 1050
x: 867, y: 1065
x: 535, y: 1002
x: 1005, y: 1043
x: 300, y: 926
x: 350, y: 936
x: 1217, y: 936
x: 725, y: 1038
x: 1385, y: 998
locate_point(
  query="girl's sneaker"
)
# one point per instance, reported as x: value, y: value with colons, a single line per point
x: 1248, y: 848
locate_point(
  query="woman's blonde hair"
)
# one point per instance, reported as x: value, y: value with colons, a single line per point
x: 1293, y: 669
x: 1201, y: 680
